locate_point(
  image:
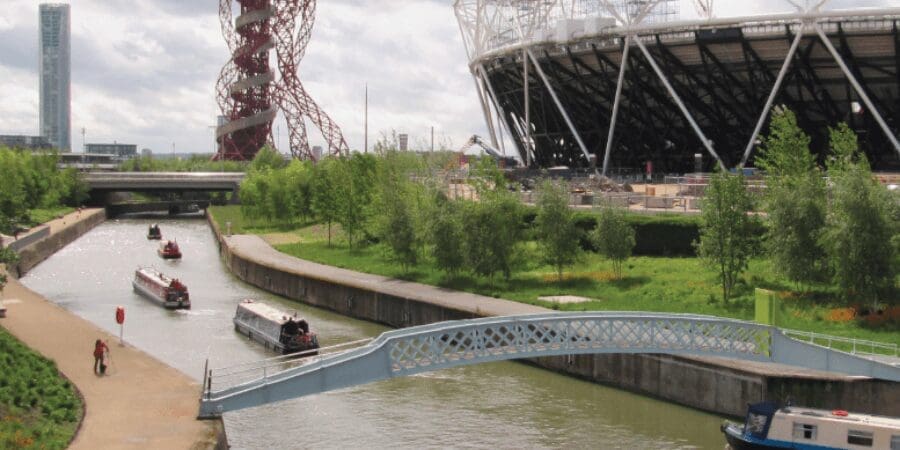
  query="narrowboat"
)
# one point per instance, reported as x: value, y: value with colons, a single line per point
x: 769, y: 427
x: 167, y: 291
x: 153, y: 232
x: 169, y: 250
x: 275, y: 329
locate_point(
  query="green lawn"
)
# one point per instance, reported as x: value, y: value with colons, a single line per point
x: 677, y: 285
x: 38, y: 407
x: 39, y: 216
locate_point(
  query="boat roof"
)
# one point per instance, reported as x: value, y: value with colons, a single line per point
x: 822, y: 415
x: 267, y: 311
x: 153, y: 273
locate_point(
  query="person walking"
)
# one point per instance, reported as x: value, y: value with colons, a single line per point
x: 100, y: 351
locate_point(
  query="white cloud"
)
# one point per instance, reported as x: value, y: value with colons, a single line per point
x: 144, y: 71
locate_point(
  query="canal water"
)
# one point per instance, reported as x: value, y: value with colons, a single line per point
x: 496, y: 405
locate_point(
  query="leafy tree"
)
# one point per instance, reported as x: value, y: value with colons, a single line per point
x: 267, y: 157
x: 395, y: 217
x: 13, y: 194
x: 9, y: 258
x: 254, y: 194
x: 299, y: 184
x: 357, y: 191
x: 555, y: 225
x: 614, y: 237
x: 862, y: 225
x: 785, y: 151
x: 725, y: 243
x: 794, y: 200
x: 446, y: 234
x: 492, y: 224
x: 327, y: 199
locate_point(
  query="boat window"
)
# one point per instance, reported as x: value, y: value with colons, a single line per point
x: 895, y: 442
x: 804, y: 431
x: 857, y: 437
x: 756, y: 423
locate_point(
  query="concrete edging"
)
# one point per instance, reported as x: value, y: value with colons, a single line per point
x: 721, y: 386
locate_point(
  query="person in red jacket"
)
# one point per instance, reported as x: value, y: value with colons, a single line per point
x: 100, y: 351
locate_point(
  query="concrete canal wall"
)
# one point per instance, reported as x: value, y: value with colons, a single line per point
x: 721, y: 386
x: 61, y: 233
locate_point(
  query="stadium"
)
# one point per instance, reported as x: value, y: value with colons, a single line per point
x: 551, y: 80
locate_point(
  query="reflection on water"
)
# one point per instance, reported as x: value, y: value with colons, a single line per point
x: 499, y: 405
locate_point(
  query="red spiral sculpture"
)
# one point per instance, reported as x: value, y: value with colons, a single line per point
x: 248, y: 92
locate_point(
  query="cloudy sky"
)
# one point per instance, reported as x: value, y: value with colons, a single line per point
x: 143, y: 71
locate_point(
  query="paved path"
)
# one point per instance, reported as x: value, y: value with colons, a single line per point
x: 141, y: 403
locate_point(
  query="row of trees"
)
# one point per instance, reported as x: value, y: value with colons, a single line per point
x: 393, y: 199
x: 33, y: 180
x: 834, y: 224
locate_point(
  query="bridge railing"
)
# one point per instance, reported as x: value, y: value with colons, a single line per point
x: 845, y: 344
x: 224, y: 378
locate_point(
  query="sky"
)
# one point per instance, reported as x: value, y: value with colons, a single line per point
x: 144, y: 71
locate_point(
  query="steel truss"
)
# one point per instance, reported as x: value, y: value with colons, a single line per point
x: 685, y: 88
x: 248, y: 92
x: 450, y: 344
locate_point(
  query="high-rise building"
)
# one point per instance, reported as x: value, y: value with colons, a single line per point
x: 55, y: 75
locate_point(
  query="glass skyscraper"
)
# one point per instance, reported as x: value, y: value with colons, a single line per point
x: 55, y: 75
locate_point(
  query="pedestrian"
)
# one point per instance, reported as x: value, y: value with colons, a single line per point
x: 100, y: 351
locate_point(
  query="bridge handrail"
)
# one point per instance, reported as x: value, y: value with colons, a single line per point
x: 857, y: 345
x: 323, y: 361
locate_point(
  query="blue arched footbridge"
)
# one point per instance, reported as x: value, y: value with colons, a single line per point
x: 443, y: 345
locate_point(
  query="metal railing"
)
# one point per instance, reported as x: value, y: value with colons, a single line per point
x: 850, y: 345
x: 237, y: 374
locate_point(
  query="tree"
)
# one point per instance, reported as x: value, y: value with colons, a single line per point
x: 446, y: 234
x: 356, y: 187
x: 614, y: 238
x: 493, y: 227
x: 861, y: 225
x: 395, y: 217
x: 326, y: 191
x: 299, y: 184
x: 8, y: 258
x: 794, y: 200
x: 725, y: 243
x: 555, y: 225
x: 269, y: 158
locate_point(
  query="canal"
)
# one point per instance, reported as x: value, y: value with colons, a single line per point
x: 497, y: 405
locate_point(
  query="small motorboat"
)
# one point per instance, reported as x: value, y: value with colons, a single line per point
x: 153, y: 232
x: 274, y: 328
x: 169, y: 250
x: 167, y: 291
x: 769, y: 427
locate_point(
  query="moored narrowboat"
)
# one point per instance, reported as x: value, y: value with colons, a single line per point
x: 275, y: 329
x: 169, y: 250
x: 169, y: 292
x: 769, y: 427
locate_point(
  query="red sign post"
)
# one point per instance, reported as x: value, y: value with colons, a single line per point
x: 120, y: 319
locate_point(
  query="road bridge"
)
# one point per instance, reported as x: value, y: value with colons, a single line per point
x: 444, y: 345
x: 163, y: 181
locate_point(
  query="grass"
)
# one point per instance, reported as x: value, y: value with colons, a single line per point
x: 659, y: 284
x: 38, y: 407
x: 44, y: 215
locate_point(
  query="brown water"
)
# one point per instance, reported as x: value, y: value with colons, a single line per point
x: 496, y: 405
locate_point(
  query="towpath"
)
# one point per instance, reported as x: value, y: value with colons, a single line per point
x: 141, y: 403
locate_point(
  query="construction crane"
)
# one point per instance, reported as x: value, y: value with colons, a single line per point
x: 505, y: 161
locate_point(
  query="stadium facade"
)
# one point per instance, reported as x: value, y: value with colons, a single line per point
x: 551, y: 77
